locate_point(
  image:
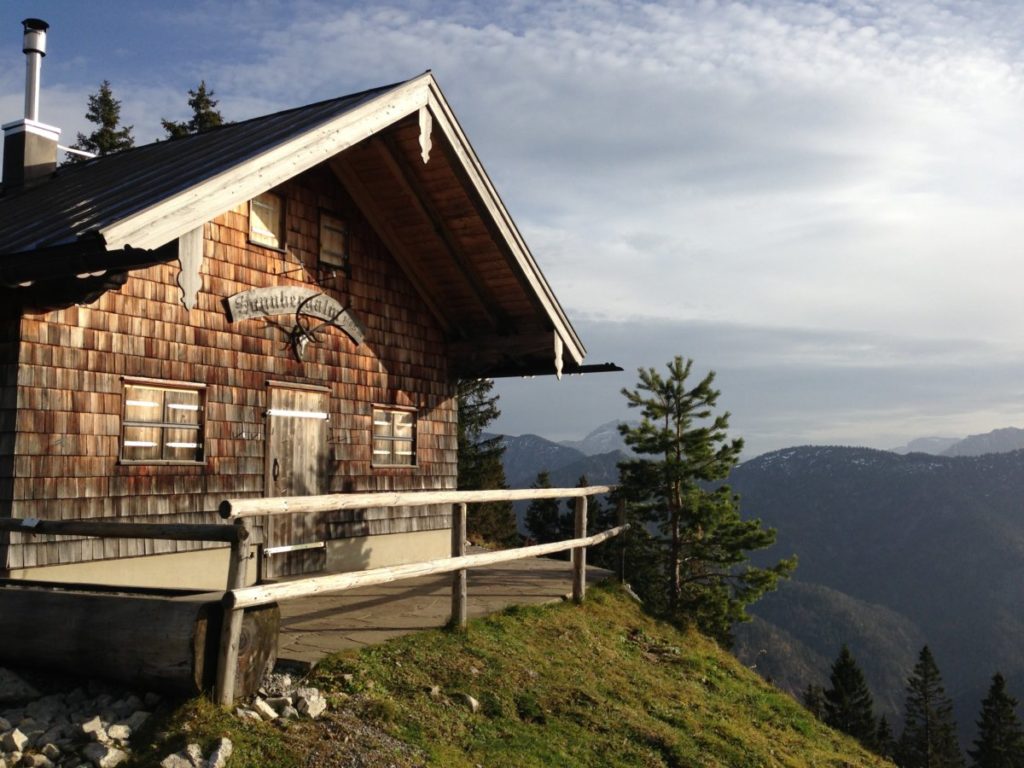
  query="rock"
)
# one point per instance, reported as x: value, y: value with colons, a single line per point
x: 177, y: 760
x: 310, y: 702
x: 119, y: 732
x: 243, y: 713
x: 15, y: 741
x: 52, y: 751
x: 14, y: 688
x: 472, y: 704
x: 5, y: 725
x: 221, y: 753
x: 279, y: 702
x: 102, y: 756
x: 289, y: 713
x: 93, y: 729
x: 36, y: 761
x: 434, y: 692
x: 264, y: 710
x: 137, y: 719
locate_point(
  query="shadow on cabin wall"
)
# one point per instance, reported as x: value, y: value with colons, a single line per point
x: 10, y: 346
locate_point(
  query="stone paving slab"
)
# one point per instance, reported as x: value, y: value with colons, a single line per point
x: 313, y: 627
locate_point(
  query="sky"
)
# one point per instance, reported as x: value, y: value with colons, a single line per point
x: 823, y: 202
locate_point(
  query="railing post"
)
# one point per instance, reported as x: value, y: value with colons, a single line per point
x: 231, y: 628
x: 459, y: 577
x: 621, y: 544
x: 579, y: 554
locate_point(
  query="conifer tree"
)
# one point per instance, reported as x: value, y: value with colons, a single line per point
x: 205, y: 114
x: 1000, y: 742
x: 545, y: 519
x: 110, y: 136
x: 814, y: 700
x: 704, y: 541
x: 929, y: 732
x: 480, y: 462
x: 885, y: 740
x: 848, y: 703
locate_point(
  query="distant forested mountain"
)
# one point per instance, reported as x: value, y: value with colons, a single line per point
x: 895, y: 551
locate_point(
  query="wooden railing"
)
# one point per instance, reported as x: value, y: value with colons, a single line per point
x: 238, y: 596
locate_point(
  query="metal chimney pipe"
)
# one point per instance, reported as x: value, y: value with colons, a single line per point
x: 34, y: 48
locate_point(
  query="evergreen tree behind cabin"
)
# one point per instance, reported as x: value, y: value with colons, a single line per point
x: 1000, y: 742
x: 848, y: 703
x: 885, y: 739
x: 682, y: 450
x: 205, y: 114
x: 479, y: 462
x: 929, y: 732
x: 545, y: 519
x: 110, y: 136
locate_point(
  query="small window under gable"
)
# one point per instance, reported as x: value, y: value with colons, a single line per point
x: 266, y: 220
x: 333, y: 242
x: 162, y: 423
x: 394, y: 437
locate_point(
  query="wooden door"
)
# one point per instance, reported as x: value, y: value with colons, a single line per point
x: 297, y: 465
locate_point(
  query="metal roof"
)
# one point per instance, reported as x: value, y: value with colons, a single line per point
x: 81, y: 199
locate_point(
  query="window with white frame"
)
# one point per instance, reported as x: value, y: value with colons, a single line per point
x: 394, y: 437
x: 266, y: 220
x: 162, y: 423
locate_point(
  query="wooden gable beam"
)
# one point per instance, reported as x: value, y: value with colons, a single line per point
x: 480, y: 190
x: 364, y: 200
x: 396, y: 163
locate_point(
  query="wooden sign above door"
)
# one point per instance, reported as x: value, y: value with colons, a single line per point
x: 302, y: 304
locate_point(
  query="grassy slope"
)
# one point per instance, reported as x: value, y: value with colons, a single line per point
x: 602, y: 685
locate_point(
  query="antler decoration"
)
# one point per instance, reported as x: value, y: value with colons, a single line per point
x: 301, y: 335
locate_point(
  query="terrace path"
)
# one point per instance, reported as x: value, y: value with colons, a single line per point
x: 313, y: 627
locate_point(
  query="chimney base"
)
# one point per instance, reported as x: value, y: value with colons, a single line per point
x: 30, y: 152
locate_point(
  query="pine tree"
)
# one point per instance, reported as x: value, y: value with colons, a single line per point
x: 885, y: 740
x: 848, y: 703
x: 105, y: 112
x: 814, y: 700
x: 480, y: 462
x: 929, y: 732
x: 708, y: 576
x: 205, y: 114
x: 1000, y: 742
x: 544, y: 518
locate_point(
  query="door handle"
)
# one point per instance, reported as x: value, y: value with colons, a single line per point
x: 276, y: 471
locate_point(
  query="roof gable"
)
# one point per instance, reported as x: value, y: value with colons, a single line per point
x: 144, y: 199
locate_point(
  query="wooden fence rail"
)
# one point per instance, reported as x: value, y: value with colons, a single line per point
x: 237, y: 599
x: 283, y: 505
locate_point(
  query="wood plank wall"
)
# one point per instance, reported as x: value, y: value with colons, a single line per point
x: 71, y: 364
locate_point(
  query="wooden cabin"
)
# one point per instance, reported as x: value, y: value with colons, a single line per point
x: 276, y: 307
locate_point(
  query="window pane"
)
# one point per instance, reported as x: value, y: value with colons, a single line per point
x: 382, y: 451
x: 382, y: 424
x: 182, y: 406
x: 265, y: 220
x: 143, y: 403
x: 333, y: 240
x: 141, y: 444
x: 182, y: 444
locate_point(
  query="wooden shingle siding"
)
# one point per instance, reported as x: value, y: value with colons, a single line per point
x: 63, y: 399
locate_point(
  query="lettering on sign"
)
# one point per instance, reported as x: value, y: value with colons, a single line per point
x: 299, y: 302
